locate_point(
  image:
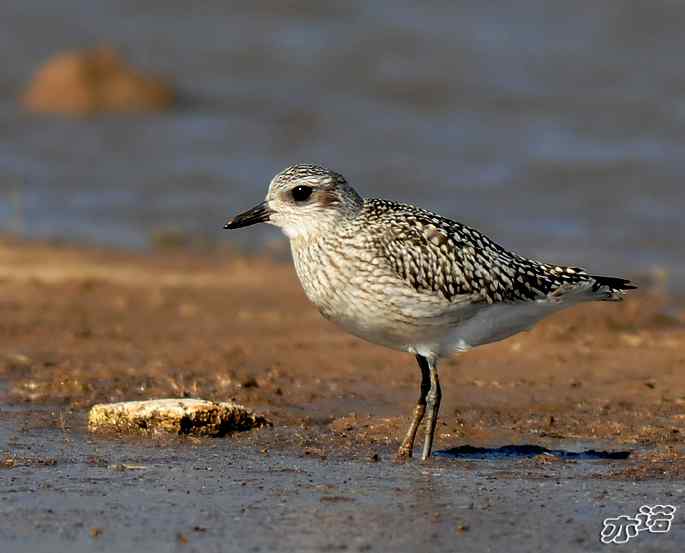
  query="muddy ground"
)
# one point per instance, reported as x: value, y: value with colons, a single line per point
x: 81, y: 326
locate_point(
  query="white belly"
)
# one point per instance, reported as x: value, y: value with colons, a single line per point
x: 491, y: 323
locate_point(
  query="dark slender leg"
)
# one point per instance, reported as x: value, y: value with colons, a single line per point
x: 433, y: 403
x: 407, y: 446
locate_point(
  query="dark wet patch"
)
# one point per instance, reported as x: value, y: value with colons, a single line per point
x: 526, y: 450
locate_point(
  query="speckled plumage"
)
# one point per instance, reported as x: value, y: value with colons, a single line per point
x: 409, y: 279
x: 436, y: 254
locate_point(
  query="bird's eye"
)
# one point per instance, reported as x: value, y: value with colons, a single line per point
x: 301, y: 193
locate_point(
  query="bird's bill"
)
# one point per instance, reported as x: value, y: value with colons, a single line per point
x: 258, y: 214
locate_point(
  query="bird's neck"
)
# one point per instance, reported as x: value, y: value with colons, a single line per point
x: 314, y: 230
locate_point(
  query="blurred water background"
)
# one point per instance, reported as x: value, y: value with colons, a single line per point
x: 556, y: 127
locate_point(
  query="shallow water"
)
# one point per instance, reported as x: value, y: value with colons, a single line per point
x: 557, y: 128
x: 78, y: 492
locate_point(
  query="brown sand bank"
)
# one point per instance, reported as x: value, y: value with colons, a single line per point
x: 81, y: 326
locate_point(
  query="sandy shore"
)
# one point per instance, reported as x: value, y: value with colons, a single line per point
x: 82, y: 326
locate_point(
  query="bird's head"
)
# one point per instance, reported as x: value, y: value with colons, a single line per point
x: 303, y: 199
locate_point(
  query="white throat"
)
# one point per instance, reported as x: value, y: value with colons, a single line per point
x: 302, y: 229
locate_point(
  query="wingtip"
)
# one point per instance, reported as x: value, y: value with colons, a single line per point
x: 615, y: 283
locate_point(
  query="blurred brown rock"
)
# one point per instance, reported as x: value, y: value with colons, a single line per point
x: 85, y: 82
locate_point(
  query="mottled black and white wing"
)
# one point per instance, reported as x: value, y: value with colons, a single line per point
x: 434, y: 254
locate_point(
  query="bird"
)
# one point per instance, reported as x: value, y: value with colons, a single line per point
x: 409, y: 279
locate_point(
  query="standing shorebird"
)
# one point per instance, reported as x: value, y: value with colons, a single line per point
x: 411, y: 280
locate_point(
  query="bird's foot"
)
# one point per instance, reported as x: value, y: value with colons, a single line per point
x: 405, y: 452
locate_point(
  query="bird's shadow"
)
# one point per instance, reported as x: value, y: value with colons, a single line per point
x: 509, y: 452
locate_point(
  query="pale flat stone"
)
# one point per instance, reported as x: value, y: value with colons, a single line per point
x: 178, y: 416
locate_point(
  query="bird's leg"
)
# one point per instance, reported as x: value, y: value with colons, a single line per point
x: 433, y: 402
x: 407, y: 446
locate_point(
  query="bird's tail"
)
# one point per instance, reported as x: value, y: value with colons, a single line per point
x: 610, y: 288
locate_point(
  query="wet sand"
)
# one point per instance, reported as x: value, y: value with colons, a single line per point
x: 82, y: 326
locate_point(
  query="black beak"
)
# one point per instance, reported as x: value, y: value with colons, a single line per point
x: 258, y: 214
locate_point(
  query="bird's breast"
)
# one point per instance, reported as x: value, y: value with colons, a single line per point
x: 361, y: 293
x: 331, y: 278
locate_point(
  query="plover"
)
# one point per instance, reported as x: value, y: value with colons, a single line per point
x: 411, y: 280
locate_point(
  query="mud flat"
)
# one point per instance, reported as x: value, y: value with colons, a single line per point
x: 519, y: 424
